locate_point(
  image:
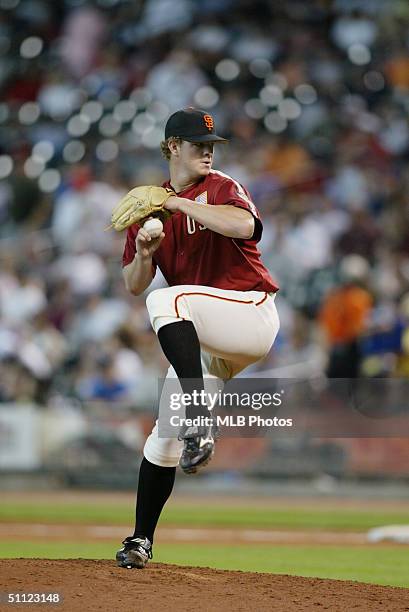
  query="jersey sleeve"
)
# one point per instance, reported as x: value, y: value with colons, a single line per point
x: 233, y: 194
x: 130, y: 248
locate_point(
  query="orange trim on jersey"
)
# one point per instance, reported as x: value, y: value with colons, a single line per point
x: 217, y: 297
x: 208, y: 295
x: 263, y: 300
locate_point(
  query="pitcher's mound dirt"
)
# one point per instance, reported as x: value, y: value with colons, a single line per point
x: 99, y: 585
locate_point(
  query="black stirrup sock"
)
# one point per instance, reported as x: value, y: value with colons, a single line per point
x: 154, y: 488
x: 181, y: 346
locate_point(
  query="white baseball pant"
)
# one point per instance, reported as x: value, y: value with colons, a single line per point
x: 235, y: 329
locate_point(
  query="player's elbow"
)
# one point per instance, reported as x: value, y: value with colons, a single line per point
x: 129, y: 286
x: 134, y: 289
x: 247, y: 228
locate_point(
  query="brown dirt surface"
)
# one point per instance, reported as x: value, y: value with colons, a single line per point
x: 100, y: 585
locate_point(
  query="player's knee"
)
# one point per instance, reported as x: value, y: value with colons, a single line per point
x: 164, y: 308
x: 162, y: 451
x: 155, y: 299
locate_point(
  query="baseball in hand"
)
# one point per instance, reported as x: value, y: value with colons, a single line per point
x: 154, y: 227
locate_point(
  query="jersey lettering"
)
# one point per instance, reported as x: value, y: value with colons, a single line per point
x: 191, y: 225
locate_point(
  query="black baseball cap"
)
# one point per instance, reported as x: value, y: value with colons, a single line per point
x: 192, y: 125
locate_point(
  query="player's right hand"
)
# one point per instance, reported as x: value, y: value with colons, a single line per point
x: 145, y: 245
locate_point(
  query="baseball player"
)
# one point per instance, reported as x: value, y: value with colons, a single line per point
x: 216, y: 317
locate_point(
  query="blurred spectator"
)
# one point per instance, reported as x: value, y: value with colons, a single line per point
x: 176, y: 80
x: 23, y: 297
x: 343, y: 318
x: 360, y: 237
x: 354, y: 29
x: 17, y: 384
x: 84, y: 271
x: 82, y: 37
x: 49, y: 340
x: 98, y: 319
x: 24, y: 198
x: 128, y: 365
x: 104, y: 384
x: 82, y: 212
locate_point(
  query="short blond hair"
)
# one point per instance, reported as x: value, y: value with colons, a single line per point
x: 164, y: 146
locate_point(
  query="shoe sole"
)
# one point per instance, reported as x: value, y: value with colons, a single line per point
x: 132, y: 560
x: 195, y: 468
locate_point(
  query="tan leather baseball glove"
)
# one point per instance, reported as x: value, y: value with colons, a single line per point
x: 139, y: 204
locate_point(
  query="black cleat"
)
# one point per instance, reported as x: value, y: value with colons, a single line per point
x: 198, y: 447
x: 135, y: 552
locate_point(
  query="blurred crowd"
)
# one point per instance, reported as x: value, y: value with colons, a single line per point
x: 314, y: 97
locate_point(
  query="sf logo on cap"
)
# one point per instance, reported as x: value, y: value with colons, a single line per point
x: 208, y: 119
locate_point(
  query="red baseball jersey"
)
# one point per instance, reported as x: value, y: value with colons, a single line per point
x: 191, y: 254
